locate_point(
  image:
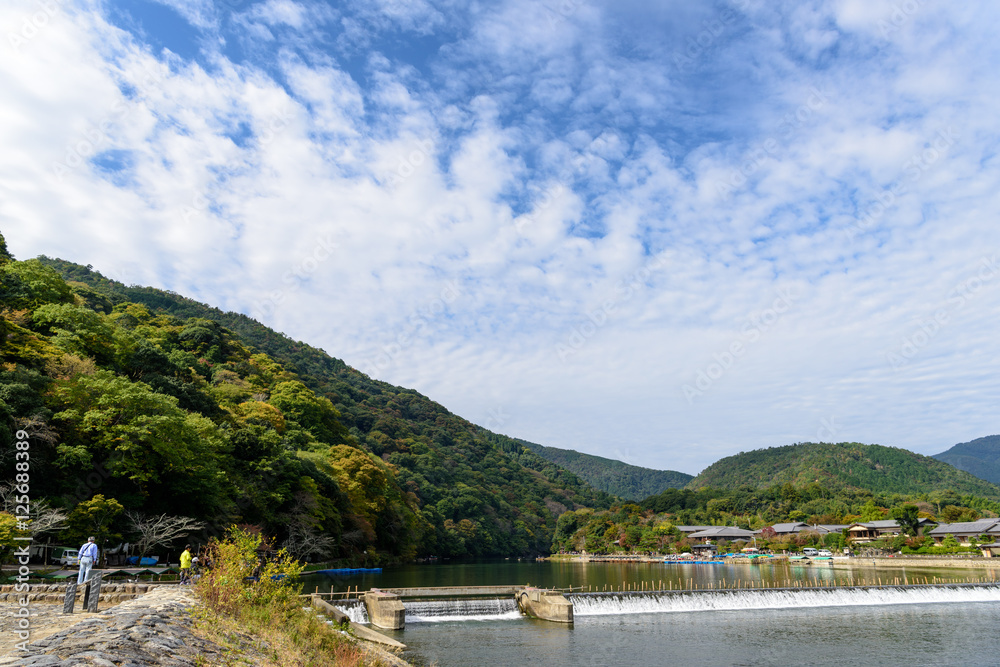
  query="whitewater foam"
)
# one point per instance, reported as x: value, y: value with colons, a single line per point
x: 439, y: 611
x: 649, y: 603
x: 355, y: 611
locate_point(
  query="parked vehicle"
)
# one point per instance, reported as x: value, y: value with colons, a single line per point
x: 66, y: 556
x: 810, y: 552
x: 825, y: 552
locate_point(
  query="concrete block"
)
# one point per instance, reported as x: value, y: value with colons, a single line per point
x: 70, y: 599
x: 545, y: 605
x: 385, y: 610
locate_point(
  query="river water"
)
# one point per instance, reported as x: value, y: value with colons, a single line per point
x: 943, y: 625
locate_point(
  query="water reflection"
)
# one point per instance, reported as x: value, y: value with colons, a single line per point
x: 649, y: 576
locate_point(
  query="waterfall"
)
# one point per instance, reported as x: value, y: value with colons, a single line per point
x: 355, y: 610
x: 603, y: 604
x: 438, y: 611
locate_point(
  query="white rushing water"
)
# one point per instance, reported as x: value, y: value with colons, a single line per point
x: 355, y: 611
x: 638, y: 603
x: 438, y: 611
x: 609, y: 604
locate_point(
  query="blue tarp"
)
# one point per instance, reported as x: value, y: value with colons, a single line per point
x: 149, y: 560
x: 344, y: 571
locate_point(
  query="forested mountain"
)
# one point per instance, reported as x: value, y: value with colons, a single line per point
x: 847, y: 465
x: 616, y: 477
x: 980, y: 457
x: 139, y: 399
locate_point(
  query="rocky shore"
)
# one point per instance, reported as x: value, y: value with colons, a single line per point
x: 154, y: 629
x: 147, y: 625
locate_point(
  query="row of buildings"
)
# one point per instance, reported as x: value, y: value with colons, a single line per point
x: 984, y: 531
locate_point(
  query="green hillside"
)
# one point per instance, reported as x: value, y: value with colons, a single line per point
x: 980, y: 457
x: 616, y: 477
x: 166, y: 405
x: 845, y: 465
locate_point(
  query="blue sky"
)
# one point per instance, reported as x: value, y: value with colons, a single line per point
x: 661, y: 234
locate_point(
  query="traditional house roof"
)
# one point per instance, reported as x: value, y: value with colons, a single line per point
x: 829, y: 527
x: 801, y: 526
x: 692, y: 529
x: 968, y: 527
x: 722, y: 532
x: 889, y: 524
x: 785, y: 528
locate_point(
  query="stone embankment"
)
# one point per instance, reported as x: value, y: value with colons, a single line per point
x: 56, y: 593
x: 152, y: 626
x: 920, y: 561
x: 154, y: 629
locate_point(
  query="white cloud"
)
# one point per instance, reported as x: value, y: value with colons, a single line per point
x: 279, y: 12
x: 199, y: 13
x: 479, y: 222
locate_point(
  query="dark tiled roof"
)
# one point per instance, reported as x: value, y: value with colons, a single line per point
x: 793, y: 527
x: 723, y: 531
x: 967, y: 527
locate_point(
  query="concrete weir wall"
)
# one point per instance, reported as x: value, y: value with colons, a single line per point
x: 546, y: 605
x: 385, y: 609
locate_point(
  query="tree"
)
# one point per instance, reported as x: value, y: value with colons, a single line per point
x: 140, y: 435
x: 949, y: 542
x: 95, y: 517
x: 364, y: 481
x: 30, y: 284
x: 159, y: 530
x: 872, y: 512
x: 45, y: 519
x: 305, y: 542
x: 5, y: 255
x: 77, y: 330
x: 8, y: 531
x: 314, y: 413
x: 906, y: 516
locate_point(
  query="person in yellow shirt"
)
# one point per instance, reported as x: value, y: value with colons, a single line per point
x: 186, y: 564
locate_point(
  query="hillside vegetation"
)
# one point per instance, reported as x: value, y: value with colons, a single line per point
x: 847, y: 465
x: 979, y: 457
x: 616, y: 477
x: 653, y: 524
x: 137, y: 399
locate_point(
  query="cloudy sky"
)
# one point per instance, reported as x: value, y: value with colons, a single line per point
x: 660, y: 234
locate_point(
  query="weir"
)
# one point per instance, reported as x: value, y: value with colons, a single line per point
x: 476, y: 604
x: 598, y: 604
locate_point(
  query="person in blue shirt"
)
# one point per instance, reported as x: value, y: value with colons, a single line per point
x: 88, y: 556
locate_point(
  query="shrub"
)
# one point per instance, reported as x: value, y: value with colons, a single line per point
x: 238, y: 579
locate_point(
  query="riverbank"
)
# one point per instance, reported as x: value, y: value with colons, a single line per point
x: 154, y: 629
x: 165, y: 626
x: 853, y: 561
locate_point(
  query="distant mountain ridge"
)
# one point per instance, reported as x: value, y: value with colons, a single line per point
x: 615, y: 477
x: 979, y: 457
x: 842, y: 466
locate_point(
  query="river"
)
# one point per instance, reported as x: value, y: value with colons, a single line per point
x: 943, y: 625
